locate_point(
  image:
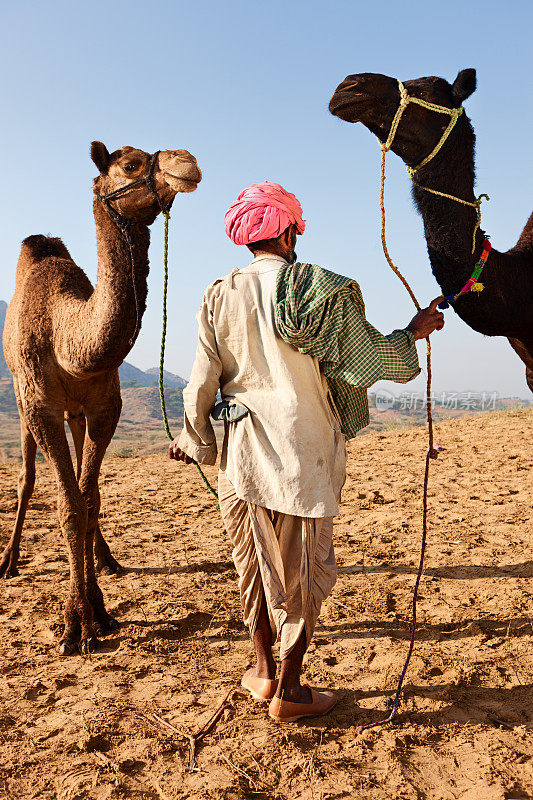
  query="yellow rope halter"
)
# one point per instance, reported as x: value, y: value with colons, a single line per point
x: 405, y: 100
x: 454, y: 113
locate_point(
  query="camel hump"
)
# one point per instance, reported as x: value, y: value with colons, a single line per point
x: 39, y: 247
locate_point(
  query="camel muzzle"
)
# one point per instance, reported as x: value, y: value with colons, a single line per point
x: 359, y: 94
x: 180, y: 170
x: 350, y: 107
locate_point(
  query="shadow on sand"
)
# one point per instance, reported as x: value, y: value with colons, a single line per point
x: 466, y: 705
x: 460, y: 572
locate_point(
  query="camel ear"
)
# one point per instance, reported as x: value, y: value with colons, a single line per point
x: 100, y: 156
x: 464, y: 85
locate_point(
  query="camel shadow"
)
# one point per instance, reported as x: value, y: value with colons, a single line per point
x: 466, y: 705
x: 459, y: 572
x: 210, y: 567
x: 180, y: 629
x: 201, y: 622
x: 486, y: 626
x: 169, y: 629
x: 108, y: 646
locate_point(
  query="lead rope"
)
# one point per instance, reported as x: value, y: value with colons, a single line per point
x: 135, y: 293
x: 454, y: 113
x: 431, y: 453
x: 166, y: 216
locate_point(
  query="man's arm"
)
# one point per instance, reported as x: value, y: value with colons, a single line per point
x: 398, y: 358
x: 197, y: 440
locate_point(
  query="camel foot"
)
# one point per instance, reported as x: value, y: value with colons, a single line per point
x: 106, y: 626
x: 107, y: 565
x: 73, y: 644
x: 8, y: 572
x: 8, y: 567
x: 89, y: 645
x: 67, y: 646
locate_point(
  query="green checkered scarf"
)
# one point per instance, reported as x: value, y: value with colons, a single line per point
x: 323, y: 315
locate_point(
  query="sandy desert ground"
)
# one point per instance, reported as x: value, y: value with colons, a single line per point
x: 115, y: 725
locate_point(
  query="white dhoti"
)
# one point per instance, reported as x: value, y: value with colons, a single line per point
x: 290, y: 558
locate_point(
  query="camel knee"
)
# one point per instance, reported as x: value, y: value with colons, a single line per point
x: 73, y: 517
x: 91, y: 495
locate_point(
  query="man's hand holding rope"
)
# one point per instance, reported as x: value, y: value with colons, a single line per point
x: 177, y: 454
x: 427, y: 320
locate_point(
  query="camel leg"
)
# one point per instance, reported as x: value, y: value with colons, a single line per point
x: 525, y: 351
x: 101, y: 424
x: 26, y: 482
x: 102, y: 553
x: 49, y: 432
x: 76, y: 423
x: 105, y: 561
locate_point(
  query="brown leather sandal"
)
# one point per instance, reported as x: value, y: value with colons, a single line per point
x: 286, y: 711
x: 259, y: 688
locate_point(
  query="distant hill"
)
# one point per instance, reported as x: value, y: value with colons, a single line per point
x: 171, y: 381
x: 142, y: 404
x: 131, y: 376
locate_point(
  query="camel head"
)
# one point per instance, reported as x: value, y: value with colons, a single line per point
x: 373, y: 99
x: 173, y: 171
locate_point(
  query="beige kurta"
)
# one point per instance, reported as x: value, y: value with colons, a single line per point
x: 282, y: 466
x: 288, y: 455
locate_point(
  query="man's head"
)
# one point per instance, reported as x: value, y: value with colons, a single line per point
x: 267, y: 219
x: 283, y: 245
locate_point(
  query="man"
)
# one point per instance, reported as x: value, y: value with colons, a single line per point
x: 283, y: 458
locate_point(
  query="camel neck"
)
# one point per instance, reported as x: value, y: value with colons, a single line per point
x: 112, y: 304
x: 449, y: 225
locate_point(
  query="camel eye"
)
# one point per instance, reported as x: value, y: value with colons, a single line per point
x: 130, y: 167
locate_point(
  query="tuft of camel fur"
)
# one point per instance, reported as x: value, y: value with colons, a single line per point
x: 63, y: 342
x: 503, y: 308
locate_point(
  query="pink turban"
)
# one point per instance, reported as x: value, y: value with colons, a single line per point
x: 263, y: 211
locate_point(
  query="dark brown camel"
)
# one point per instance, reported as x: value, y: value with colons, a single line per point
x: 64, y: 342
x: 505, y: 307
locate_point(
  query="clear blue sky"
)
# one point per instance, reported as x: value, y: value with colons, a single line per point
x: 245, y: 86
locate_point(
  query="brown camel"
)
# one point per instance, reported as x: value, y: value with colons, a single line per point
x: 504, y: 307
x: 64, y: 342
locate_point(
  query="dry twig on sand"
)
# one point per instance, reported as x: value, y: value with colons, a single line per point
x: 194, y: 739
x: 240, y: 771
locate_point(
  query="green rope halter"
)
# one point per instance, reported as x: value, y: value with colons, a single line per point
x: 454, y: 113
x: 166, y: 216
